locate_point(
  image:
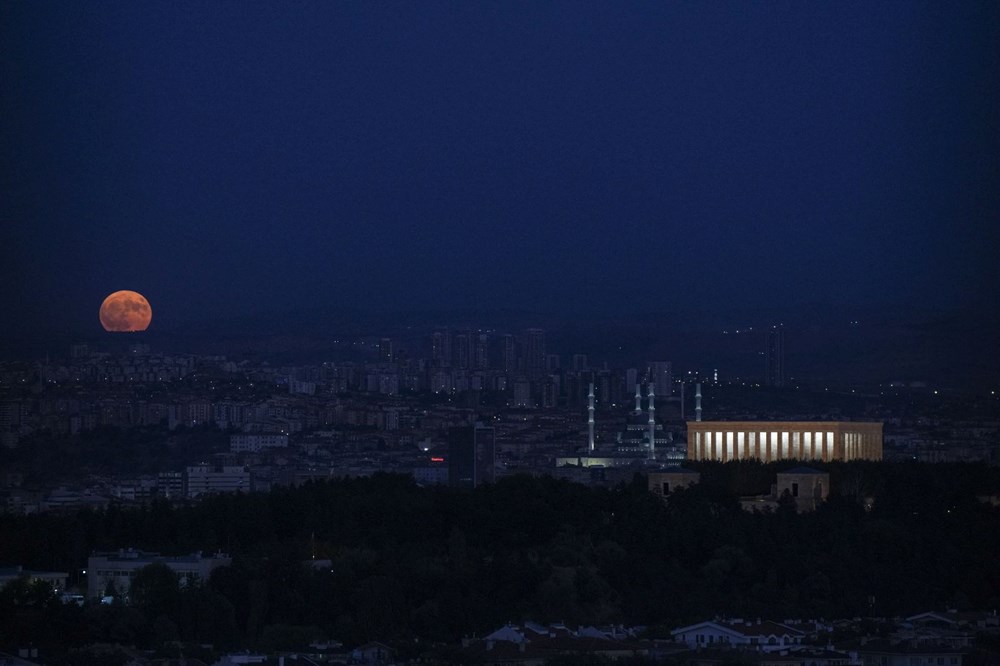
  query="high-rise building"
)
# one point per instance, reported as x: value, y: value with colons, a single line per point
x: 471, y: 456
x: 661, y: 376
x: 441, y: 349
x: 534, y: 351
x: 631, y: 379
x: 481, y: 358
x: 385, y: 350
x: 463, y: 350
x: 774, y: 357
x: 508, y: 354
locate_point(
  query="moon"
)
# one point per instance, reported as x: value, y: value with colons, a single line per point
x: 125, y: 312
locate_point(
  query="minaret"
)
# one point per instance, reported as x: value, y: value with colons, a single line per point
x: 683, y: 384
x: 590, y: 419
x: 697, y: 401
x: 638, y: 400
x: 652, y: 424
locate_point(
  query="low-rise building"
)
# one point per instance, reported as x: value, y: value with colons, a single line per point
x: 206, y: 479
x: 117, y: 569
x: 57, y: 579
x: 252, y: 443
x: 805, y: 487
x: 885, y: 653
x: 667, y: 480
x: 765, y: 636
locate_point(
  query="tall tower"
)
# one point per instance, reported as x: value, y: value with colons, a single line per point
x: 481, y: 358
x: 774, y: 353
x: 441, y: 348
x: 697, y: 401
x: 652, y: 423
x: 471, y: 456
x: 534, y: 351
x: 508, y: 354
x: 662, y: 375
x: 463, y: 350
x: 590, y: 419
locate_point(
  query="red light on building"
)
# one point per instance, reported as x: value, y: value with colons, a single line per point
x: 437, y: 459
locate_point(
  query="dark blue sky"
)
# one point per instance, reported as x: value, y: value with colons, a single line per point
x: 237, y: 157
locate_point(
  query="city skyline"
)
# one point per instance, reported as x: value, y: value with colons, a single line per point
x: 499, y: 332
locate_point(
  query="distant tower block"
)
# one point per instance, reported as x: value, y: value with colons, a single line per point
x: 774, y: 353
x: 662, y: 376
x: 385, y: 351
x: 590, y: 419
x: 697, y: 401
x: 652, y: 424
x: 534, y: 352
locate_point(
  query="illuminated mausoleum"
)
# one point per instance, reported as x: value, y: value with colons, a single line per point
x: 784, y: 440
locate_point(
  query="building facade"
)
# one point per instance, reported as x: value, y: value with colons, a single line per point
x: 784, y: 440
x: 206, y: 479
x: 57, y: 579
x: 471, y: 456
x: 764, y: 636
x: 117, y: 569
x: 806, y: 487
x: 252, y: 443
x: 667, y: 480
x: 774, y: 357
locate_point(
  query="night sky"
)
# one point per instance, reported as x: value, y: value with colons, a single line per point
x: 232, y: 158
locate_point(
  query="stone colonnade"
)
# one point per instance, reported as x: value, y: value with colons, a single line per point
x: 783, y: 440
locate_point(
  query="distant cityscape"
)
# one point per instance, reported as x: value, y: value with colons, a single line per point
x: 134, y: 429
x: 402, y: 410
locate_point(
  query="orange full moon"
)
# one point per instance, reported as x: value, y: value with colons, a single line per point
x: 125, y: 312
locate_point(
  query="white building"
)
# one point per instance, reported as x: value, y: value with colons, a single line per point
x: 204, y: 479
x: 765, y: 636
x: 252, y: 443
x: 119, y: 568
x: 56, y: 579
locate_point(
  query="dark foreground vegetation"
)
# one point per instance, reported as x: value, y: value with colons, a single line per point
x: 434, y: 564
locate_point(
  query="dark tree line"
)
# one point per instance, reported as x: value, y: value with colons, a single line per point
x: 408, y: 563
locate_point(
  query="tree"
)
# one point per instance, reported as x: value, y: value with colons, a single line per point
x: 155, y: 590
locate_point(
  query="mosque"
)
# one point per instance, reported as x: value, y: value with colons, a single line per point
x: 643, y: 443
